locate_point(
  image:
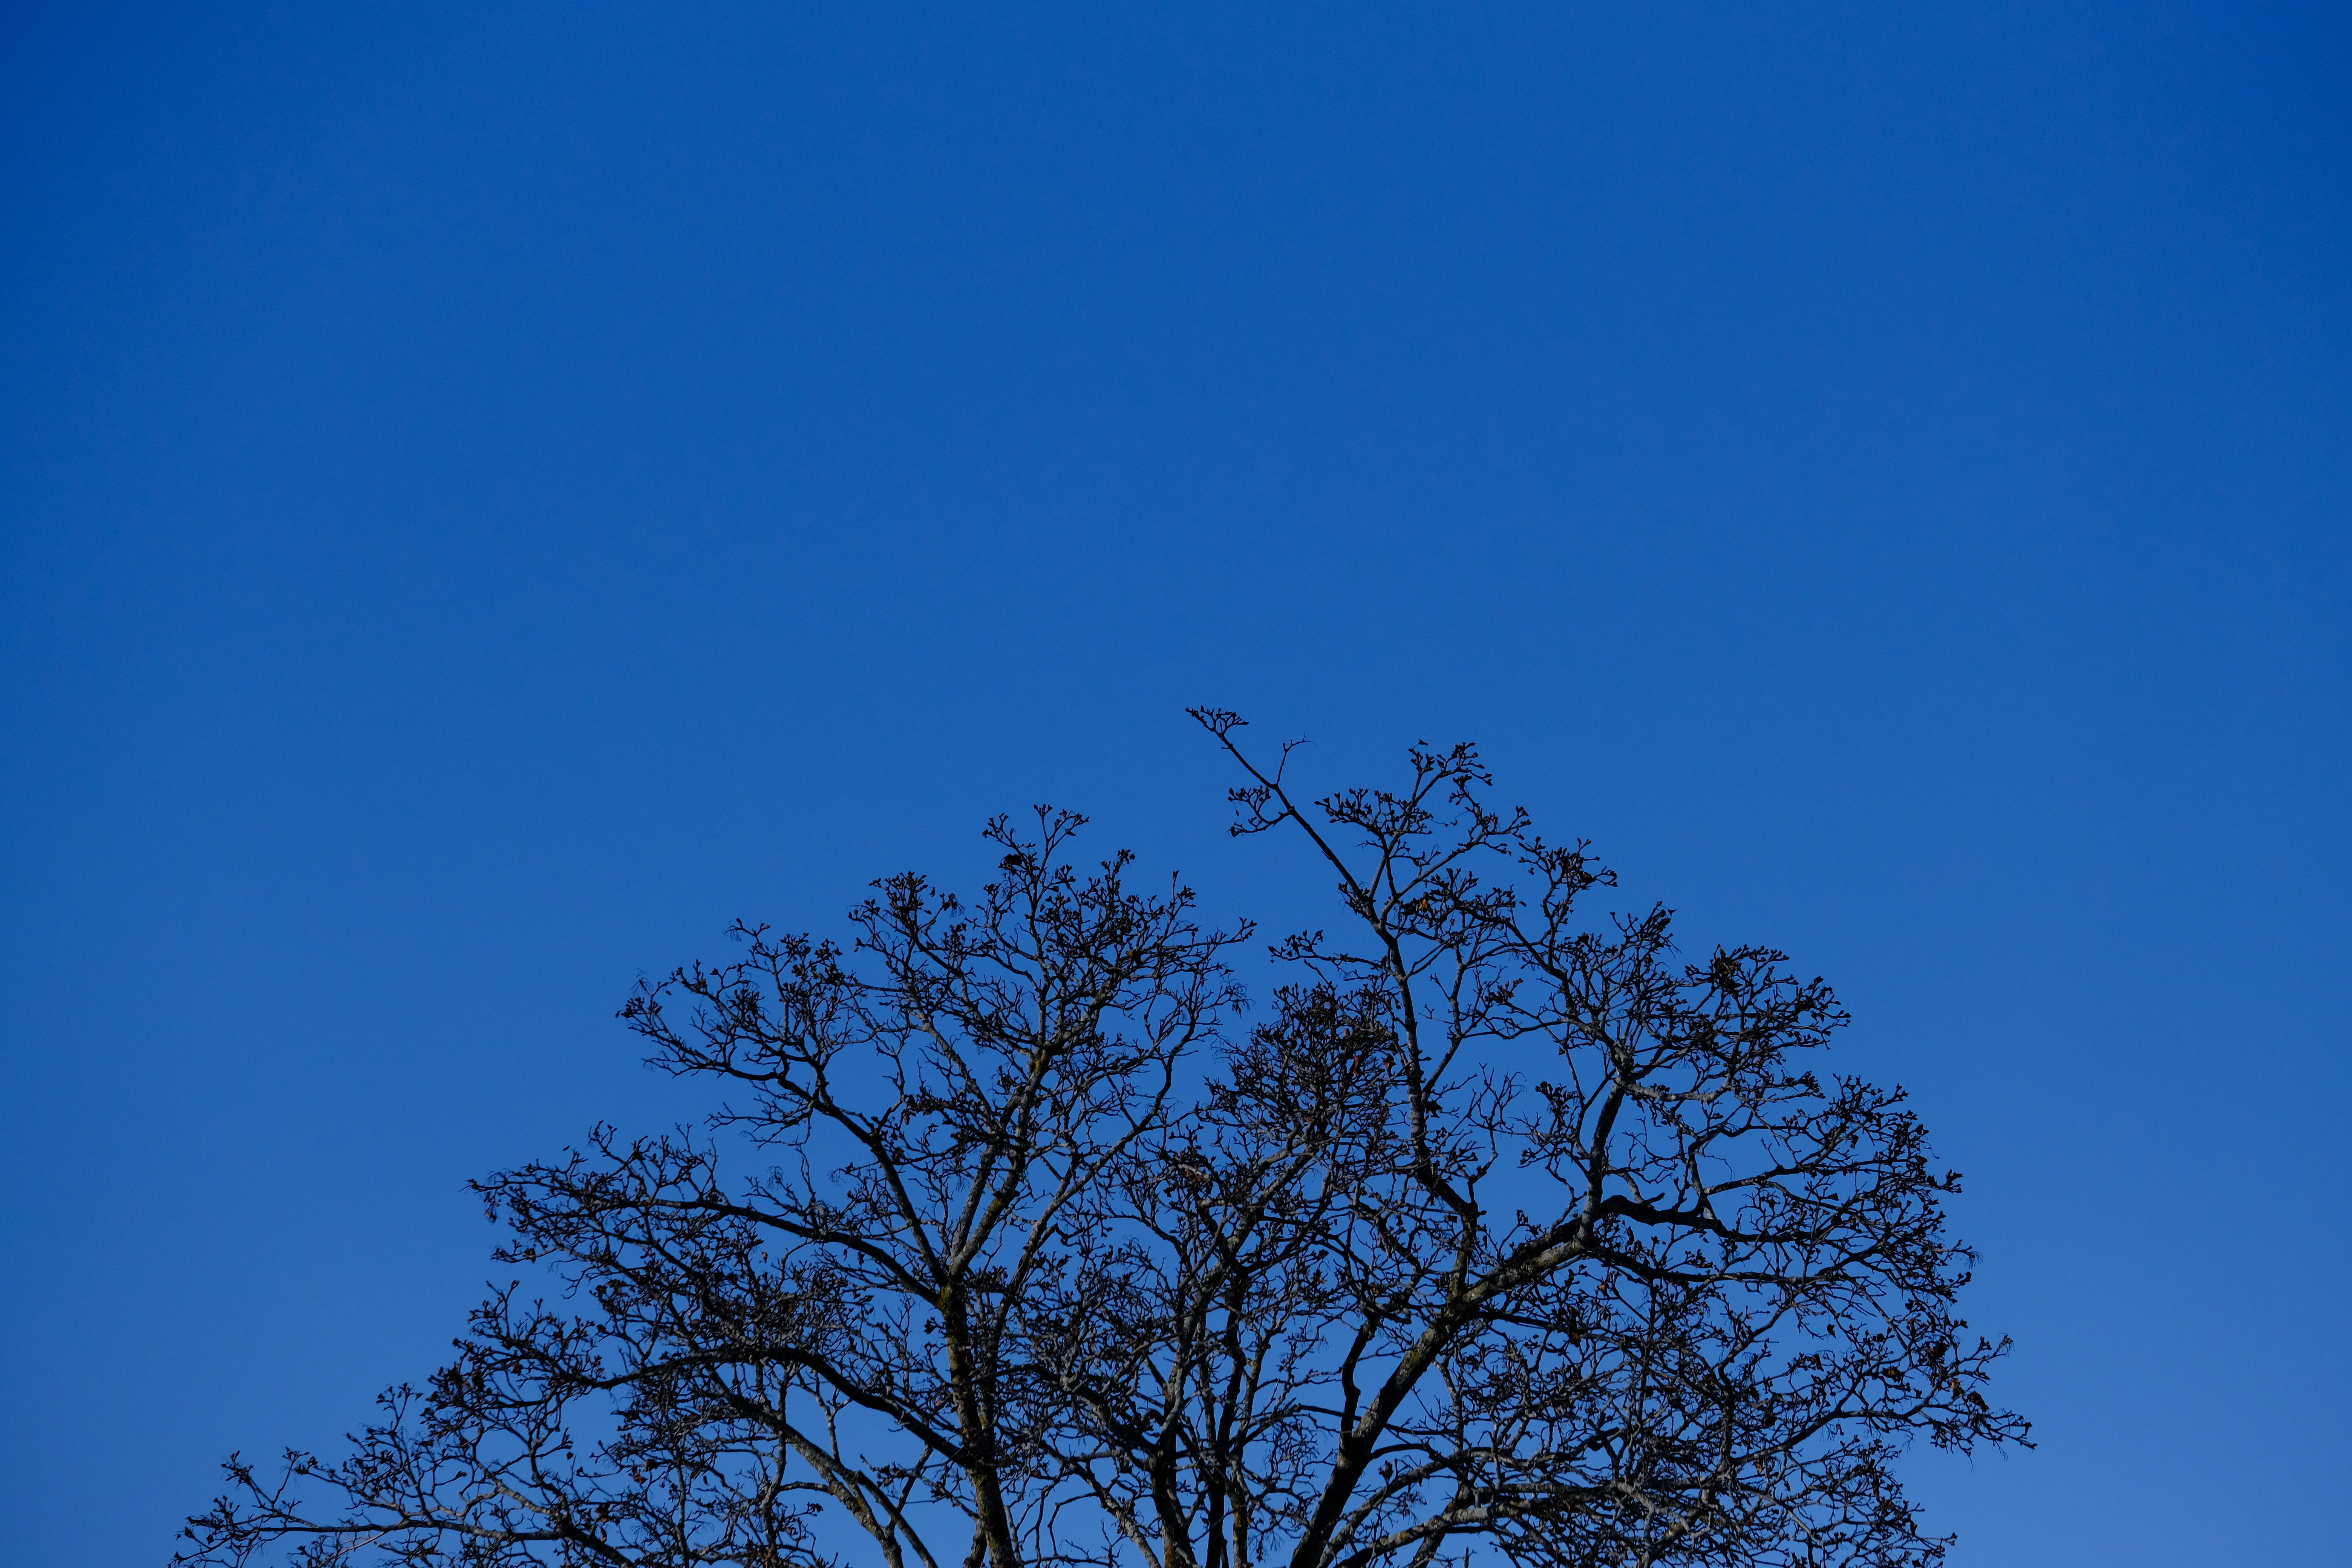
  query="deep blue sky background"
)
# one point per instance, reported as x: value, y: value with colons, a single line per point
x: 494, y: 493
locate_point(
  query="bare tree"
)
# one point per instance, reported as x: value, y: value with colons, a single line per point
x: 1496, y: 1233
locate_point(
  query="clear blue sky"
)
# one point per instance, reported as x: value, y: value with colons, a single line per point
x: 493, y: 493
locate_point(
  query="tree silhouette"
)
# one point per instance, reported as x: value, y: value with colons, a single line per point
x: 1499, y: 1233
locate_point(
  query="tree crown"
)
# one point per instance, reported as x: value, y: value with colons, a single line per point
x: 1497, y: 1233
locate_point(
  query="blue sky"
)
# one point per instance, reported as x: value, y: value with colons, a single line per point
x: 492, y: 494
